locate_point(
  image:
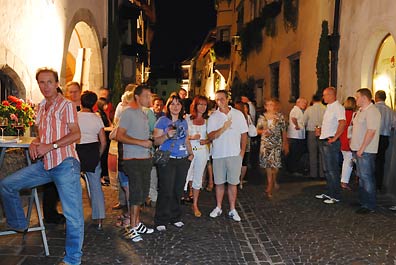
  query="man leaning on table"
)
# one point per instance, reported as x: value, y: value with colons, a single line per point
x: 56, y: 160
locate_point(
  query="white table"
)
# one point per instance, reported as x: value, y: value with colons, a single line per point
x: 24, y: 144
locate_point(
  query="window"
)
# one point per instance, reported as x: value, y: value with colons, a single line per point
x: 224, y: 34
x: 294, y: 76
x: 274, y: 67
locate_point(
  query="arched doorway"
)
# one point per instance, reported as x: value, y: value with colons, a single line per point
x: 10, y: 84
x: 84, y: 58
x: 384, y: 76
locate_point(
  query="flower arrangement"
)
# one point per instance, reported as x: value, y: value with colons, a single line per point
x: 16, y: 109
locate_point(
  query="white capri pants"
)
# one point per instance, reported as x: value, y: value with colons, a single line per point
x: 197, y: 167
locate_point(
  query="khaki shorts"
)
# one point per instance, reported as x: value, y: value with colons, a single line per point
x: 227, y: 170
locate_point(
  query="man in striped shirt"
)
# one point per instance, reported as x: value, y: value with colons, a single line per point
x: 56, y: 160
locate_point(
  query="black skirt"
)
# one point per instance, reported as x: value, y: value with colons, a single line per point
x: 89, y: 156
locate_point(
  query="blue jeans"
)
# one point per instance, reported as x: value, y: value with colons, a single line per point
x: 365, y: 167
x: 331, y: 167
x: 97, y: 197
x: 66, y: 177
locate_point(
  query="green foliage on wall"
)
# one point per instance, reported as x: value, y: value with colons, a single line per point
x: 118, y: 86
x: 251, y: 34
x: 239, y: 88
x: 322, y: 61
x: 290, y: 14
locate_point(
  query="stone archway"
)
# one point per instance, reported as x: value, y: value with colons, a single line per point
x: 384, y: 75
x: 82, y: 58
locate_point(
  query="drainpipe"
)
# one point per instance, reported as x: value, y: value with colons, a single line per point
x: 335, y: 44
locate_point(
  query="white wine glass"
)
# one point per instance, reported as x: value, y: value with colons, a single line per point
x: 3, y: 125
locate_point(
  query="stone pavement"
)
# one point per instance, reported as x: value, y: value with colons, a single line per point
x: 292, y: 228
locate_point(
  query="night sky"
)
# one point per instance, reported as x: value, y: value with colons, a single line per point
x: 181, y: 27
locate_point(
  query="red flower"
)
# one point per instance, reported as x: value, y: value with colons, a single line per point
x: 19, y: 106
x: 5, y: 103
x: 15, y: 99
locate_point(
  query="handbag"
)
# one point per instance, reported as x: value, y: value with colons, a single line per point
x: 161, y: 157
x: 252, y: 130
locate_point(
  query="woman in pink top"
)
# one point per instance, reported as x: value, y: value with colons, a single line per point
x: 350, y: 107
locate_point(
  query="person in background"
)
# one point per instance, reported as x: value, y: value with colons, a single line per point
x: 252, y: 108
x: 90, y: 148
x: 296, y: 136
x: 134, y: 133
x: 171, y: 134
x: 313, y: 117
x: 105, y: 93
x: 347, y: 167
x: 244, y: 108
x: 56, y: 160
x: 331, y: 129
x: 73, y: 92
x: 158, y: 107
x: 102, y: 107
x: 272, y: 127
x: 186, y: 101
x: 364, y: 145
x: 227, y: 128
x: 209, y: 166
x: 197, y: 127
x: 387, y: 117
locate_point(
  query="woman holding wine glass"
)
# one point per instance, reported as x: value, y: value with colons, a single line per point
x: 272, y: 127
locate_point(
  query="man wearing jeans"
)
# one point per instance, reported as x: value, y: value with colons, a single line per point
x: 364, y: 145
x: 333, y: 125
x: 57, y: 161
x: 227, y: 128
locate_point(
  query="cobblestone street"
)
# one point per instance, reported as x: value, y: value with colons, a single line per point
x: 292, y: 228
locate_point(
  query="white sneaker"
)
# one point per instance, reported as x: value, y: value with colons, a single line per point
x: 216, y: 212
x: 393, y: 208
x: 161, y: 228
x: 179, y: 224
x: 322, y: 196
x: 133, y: 235
x: 331, y: 201
x: 142, y: 229
x: 233, y: 214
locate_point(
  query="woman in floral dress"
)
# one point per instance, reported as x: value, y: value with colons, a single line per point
x: 272, y: 127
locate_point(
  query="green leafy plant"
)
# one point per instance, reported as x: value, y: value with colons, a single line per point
x: 322, y: 61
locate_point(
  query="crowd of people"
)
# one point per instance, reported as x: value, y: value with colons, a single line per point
x: 201, y: 138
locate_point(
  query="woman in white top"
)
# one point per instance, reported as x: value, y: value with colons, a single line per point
x: 90, y: 148
x: 197, y: 123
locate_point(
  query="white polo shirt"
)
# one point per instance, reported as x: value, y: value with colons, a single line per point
x: 334, y: 112
x: 229, y: 142
x: 292, y: 132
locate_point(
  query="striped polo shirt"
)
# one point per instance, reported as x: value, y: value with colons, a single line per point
x: 52, y: 126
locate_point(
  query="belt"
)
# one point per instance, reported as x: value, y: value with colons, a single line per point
x: 178, y: 157
x: 326, y: 139
x: 196, y: 148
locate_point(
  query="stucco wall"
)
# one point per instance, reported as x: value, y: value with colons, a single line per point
x: 364, y: 24
x: 284, y: 44
x: 34, y: 34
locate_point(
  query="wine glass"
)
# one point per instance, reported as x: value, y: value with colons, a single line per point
x: 18, y: 125
x: 3, y: 125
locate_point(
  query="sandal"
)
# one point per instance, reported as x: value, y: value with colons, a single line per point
x: 196, y: 211
x: 123, y: 220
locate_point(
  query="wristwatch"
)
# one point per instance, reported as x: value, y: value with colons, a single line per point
x: 55, y: 146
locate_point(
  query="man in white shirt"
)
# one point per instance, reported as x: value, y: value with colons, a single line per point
x: 384, y: 132
x: 332, y: 127
x: 296, y: 136
x: 227, y: 128
x: 364, y: 146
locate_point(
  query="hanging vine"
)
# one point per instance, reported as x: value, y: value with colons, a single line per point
x: 290, y: 14
x: 251, y: 34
